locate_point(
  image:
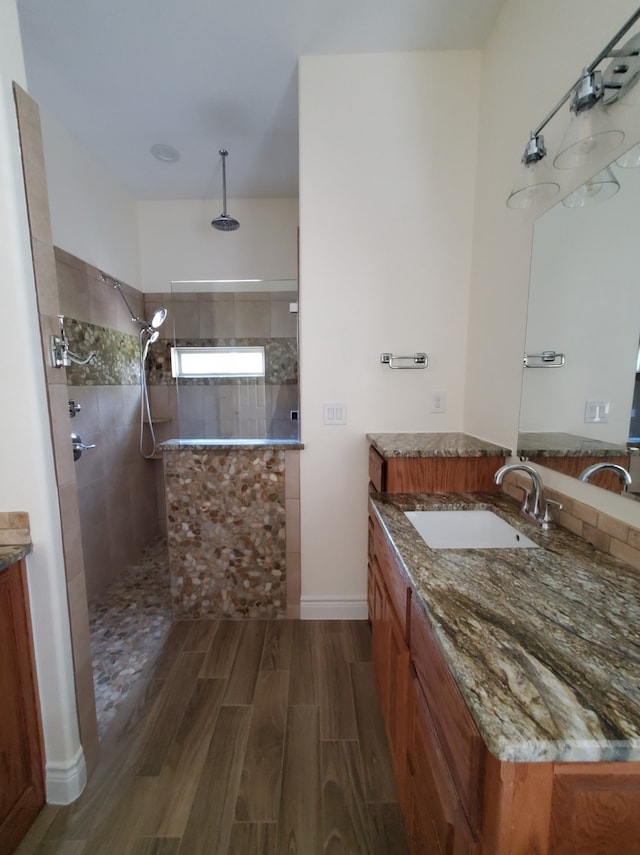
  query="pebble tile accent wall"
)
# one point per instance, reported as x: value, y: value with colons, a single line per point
x: 226, y: 531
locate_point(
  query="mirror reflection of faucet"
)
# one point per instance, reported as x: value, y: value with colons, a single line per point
x: 620, y: 471
x: 78, y: 446
x: 531, y: 509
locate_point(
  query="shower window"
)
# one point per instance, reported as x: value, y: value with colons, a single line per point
x: 194, y: 362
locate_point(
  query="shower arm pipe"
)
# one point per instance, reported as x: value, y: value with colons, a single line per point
x: 136, y: 320
x: 224, y: 184
x: 606, y: 51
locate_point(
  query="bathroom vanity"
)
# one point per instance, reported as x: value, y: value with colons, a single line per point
x: 509, y: 685
x: 22, y: 793
x: 432, y: 462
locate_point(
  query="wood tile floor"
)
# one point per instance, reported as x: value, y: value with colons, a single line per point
x: 243, y: 737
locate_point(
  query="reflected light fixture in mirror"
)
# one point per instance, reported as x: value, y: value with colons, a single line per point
x: 630, y: 159
x: 601, y: 187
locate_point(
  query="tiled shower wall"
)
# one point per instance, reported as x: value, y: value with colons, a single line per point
x: 227, y: 408
x: 116, y: 485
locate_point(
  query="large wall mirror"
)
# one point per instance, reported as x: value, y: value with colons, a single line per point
x: 582, y: 407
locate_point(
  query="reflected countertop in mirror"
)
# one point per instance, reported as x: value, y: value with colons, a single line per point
x: 555, y: 444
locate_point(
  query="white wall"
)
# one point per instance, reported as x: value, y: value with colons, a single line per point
x: 92, y: 216
x: 177, y: 241
x: 27, y: 476
x: 387, y: 177
x: 534, y: 54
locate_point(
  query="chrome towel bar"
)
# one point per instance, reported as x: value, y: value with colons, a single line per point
x: 417, y: 360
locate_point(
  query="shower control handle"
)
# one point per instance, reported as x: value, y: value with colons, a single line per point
x: 78, y: 446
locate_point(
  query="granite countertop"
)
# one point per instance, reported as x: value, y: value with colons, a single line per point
x: 434, y: 445
x: 286, y: 444
x: 552, y: 444
x: 10, y: 554
x: 544, y: 643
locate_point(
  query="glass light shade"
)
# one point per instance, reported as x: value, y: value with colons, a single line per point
x: 588, y: 137
x: 601, y: 187
x: 630, y: 159
x: 533, y: 188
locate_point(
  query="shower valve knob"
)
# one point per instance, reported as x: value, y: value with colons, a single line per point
x: 78, y: 446
x: 74, y: 408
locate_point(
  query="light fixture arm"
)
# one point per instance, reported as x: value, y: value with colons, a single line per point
x: 604, y: 53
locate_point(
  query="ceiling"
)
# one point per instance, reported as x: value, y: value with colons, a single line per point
x: 200, y: 75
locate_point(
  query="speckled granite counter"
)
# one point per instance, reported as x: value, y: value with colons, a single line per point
x: 10, y: 554
x: 544, y: 643
x: 566, y: 445
x: 172, y: 444
x: 434, y: 445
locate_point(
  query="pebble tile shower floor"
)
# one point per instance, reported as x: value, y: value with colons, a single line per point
x: 128, y: 623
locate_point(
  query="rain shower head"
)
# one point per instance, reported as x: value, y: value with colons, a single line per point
x: 150, y: 327
x: 224, y: 223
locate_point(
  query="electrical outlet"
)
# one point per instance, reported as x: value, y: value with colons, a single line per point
x: 439, y: 402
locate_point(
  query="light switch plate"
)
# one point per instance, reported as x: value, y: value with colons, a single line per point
x: 335, y: 412
x: 596, y: 412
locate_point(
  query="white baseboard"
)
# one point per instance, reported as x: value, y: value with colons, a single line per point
x: 66, y: 781
x: 333, y: 608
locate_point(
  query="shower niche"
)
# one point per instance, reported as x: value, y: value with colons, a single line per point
x: 215, y: 326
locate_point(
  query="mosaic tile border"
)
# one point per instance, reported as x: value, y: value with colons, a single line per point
x: 117, y: 360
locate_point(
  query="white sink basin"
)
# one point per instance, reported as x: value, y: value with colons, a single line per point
x: 467, y: 530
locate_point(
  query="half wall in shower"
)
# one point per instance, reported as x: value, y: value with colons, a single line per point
x: 216, y: 318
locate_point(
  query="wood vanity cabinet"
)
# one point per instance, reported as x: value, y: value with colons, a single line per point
x: 432, y: 474
x: 21, y: 755
x: 456, y: 797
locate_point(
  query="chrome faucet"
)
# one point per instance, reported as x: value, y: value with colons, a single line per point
x: 530, y: 510
x: 620, y: 471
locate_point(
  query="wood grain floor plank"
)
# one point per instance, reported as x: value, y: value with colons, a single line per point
x: 222, y: 650
x: 357, y: 635
x: 387, y: 829
x: 178, y: 779
x: 199, y: 635
x: 372, y: 738
x: 302, y: 685
x: 345, y: 817
x: 276, y: 653
x: 334, y: 687
x: 178, y: 693
x: 244, y: 671
x: 38, y: 830
x: 220, y: 762
x: 300, y: 818
x: 253, y: 838
x: 208, y: 828
x: 154, y: 846
x: 260, y: 783
x: 61, y: 847
x: 118, y: 827
x: 120, y: 751
x: 160, y: 667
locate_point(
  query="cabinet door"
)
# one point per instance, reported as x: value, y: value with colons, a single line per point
x: 397, y: 718
x: 21, y: 769
x: 436, y: 822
